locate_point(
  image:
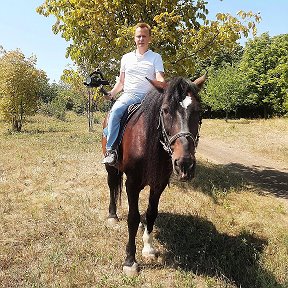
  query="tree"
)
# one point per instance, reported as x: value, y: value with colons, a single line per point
x: 20, y: 87
x: 101, y: 31
x: 224, y: 56
x: 75, y: 89
x: 49, y: 92
x: 82, y: 97
x: 265, y: 63
x: 224, y: 90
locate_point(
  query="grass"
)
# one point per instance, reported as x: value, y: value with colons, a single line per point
x: 267, y: 138
x: 214, y: 232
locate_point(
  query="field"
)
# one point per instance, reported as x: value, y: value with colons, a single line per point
x: 261, y: 138
x: 218, y: 231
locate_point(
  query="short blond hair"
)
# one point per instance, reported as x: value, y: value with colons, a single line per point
x: 144, y: 25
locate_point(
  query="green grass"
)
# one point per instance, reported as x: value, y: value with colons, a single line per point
x: 217, y: 231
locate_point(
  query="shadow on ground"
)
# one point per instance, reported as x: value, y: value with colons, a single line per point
x: 213, y: 179
x: 267, y: 179
x: 195, y: 245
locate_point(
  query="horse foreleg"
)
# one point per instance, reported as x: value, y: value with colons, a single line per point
x: 114, y: 180
x: 148, y: 250
x: 130, y: 265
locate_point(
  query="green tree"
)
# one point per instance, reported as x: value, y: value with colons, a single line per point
x: 101, y: 31
x: 265, y: 66
x: 54, y: 101
x: 81, y: 98
x: 224, y: 90
x: 224, y: 56
x: 49, y: 92
x: 20, y: 87
x: 76, y: 92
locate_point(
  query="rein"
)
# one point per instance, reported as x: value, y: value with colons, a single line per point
x: 168, y: 141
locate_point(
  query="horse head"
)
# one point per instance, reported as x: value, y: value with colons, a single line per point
x: 180, y: 124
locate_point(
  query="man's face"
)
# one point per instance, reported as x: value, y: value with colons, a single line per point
x: 142, y: 38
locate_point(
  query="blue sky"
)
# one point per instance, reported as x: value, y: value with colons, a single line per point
x: 21, y: 27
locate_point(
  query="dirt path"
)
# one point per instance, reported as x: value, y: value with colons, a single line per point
x: 268, y: 175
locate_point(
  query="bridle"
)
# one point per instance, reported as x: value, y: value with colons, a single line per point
x: 169, y: 140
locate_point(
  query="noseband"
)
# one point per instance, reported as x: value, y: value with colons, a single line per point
x: 169, y: 140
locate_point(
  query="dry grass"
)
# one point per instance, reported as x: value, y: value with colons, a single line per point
x: 267, y: 138
x: 215, y: 232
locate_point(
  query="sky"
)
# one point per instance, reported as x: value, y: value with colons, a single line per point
x: 21, y: 27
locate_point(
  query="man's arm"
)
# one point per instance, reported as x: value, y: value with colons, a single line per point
x: 160, y: 76
x: 118, y: 87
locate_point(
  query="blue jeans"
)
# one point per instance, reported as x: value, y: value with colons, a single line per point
x: 116, y: 113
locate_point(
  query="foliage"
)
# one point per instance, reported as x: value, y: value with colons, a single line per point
x: 80, y: 98
x: 225, y: 89
x: 20, y: 87
x: 101, y: 31
x: 223, y: 57
x: 59, y: 98
x: 76, y: 91
x: 254, y: 83
x: 265, y: 63
x: 49, y: 92
x: 56, y: 108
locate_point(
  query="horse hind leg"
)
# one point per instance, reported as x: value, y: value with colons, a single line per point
x: 114, y: 180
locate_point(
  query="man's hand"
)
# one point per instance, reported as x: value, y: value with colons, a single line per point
x: 108, y: 96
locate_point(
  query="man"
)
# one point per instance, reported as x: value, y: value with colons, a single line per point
x: 135, y: 66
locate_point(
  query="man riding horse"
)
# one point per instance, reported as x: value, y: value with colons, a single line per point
x: 160, y: 138
x: 136, y: 66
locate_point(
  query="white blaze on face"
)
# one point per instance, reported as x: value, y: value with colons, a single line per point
x: 186, y: 102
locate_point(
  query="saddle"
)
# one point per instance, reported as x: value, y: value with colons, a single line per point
x: 123, y: 123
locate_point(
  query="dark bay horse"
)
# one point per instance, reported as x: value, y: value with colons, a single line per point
x: 161, y: 137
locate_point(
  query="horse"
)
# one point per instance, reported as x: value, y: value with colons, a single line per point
x: 161, y: 137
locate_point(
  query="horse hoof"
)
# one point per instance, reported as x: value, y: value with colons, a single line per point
x: 131, y: 271
x: 112, y: 221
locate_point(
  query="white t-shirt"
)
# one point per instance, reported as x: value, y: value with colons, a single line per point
x: 137, y: 67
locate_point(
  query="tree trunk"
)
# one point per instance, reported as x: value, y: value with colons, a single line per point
x: 265, y: 111
x: 90, y: 111
x: 226, y: 115
x: 16, y: 124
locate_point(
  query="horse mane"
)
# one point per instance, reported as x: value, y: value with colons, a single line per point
x: 177, y: 90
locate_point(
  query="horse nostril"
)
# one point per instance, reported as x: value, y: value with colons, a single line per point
x: 192, y: 165
x: 184, y: 167
x: 177, y: 165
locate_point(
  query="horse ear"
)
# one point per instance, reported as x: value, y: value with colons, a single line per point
x: 200, y: 81
x: 160, y: 86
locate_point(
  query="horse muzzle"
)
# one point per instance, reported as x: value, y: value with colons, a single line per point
x: 184, y: 168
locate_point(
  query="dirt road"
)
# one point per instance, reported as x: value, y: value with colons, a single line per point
x: 270, y: 176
